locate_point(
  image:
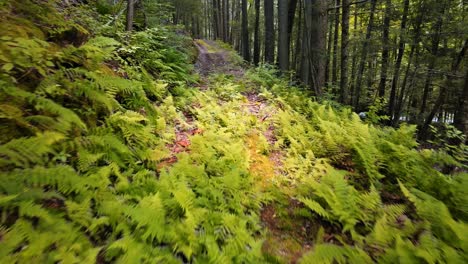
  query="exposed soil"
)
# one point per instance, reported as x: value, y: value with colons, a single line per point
x: 213, y: 59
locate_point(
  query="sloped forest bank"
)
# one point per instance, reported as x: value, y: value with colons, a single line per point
x: 114, y: 151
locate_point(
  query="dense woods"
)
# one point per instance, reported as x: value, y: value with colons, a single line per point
x: 233, y: 131
x: 407, y: 57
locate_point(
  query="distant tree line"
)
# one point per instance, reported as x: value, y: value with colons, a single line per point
x: 407, y: 56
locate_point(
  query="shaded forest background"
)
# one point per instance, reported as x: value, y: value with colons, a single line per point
x: 405, y: 60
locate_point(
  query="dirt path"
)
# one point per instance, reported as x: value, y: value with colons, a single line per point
x: 213, y: 59
x: 287, y: 243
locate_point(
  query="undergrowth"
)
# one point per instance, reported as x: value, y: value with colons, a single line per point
x: 93, y: 167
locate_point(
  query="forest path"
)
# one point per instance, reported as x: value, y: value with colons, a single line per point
x: 286, y: 240
x: 212, y: 59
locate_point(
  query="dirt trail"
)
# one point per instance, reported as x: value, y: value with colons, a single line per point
x: 214, y: 59
x: 287, y: 243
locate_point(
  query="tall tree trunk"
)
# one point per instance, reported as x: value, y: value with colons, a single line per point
x: 256, y: 55
x: 291, y: 15
x: 318, y: 44
x: 297, y: 53
x: 434, y: 52
x: 226, y: 22
x: 245, y: 32
x: 221, y: 19
x: 305, y: 67
x: 385, y: 49
x: 269, y: 32
x: 365, y: 48
x: 283, y: 45
x: 335, y: 44
x: 414, y: 48
x: 461, y: 116
x: 329, y: 52
x: 130, y: 13
x: 215, y: 20
x: 355, y: 51
x: 443, y: 90
x: 344, y: 96
x: 396, y: 73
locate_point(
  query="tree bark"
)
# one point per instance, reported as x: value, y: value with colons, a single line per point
x: 365, y: 48
x: 443, y: 91
x: 318, y: 44
x: 245, y: 32
x: 283, y: 45
x: 298, y: 46
x: 414, y: 48
x: 269, y: 32
x: 385, y: 49
x: 130, y: 14
x: 256, y: 55
x: 461, y: 116
x: 344, y: 96
x: 335, y: 45
x: 215, y: 20
x: 291, y: 15
x: 396, y: 73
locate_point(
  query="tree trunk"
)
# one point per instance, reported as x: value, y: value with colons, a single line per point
x: 344, y: 97
x: 256, y: 55
x: 401, y: 50
x: 318, y: 42
x: 335, y: 45
x: 215, y: 20
x: 291, y: 15
x: 130, y: 13
x: 434, y: 52
x: 283, y: 45
x: 245, y: 32
x: 329, y: 52
x: 226, y: 20
x: 365, y: 48
x: 414, y: 48
x: 297, y: 53
x: 385, y: 49
x: 461, y: 116
x: 269, y: 32
x: 443, y: 91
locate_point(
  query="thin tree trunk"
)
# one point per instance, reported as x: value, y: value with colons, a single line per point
x: 329, y: 52
x: 355, y: 53
x: 432, y: 62
x: 414, y: 48
x: 256, y: 55
x: 385, y: 50
x: 344, y: 97
x: 215, y: 20
x: 283, y: 46
x: 461, y: 116
x: 297, y: 53
x: 245, y: 32
x: 365, y: 48
x: 291, y: 15
x: 227, y: 21
x: 130, y: 13
x: 221, y: 20
x: 401, y: 50
x: 335, y: 45
x: 269, y: 32
x: 443, y: 91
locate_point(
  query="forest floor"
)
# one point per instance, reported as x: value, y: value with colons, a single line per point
x: 287, y: 236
